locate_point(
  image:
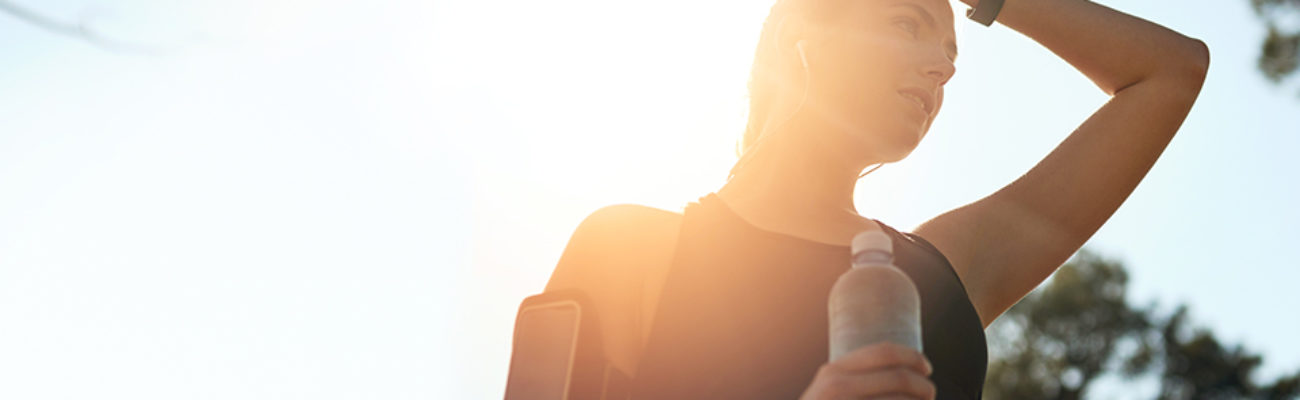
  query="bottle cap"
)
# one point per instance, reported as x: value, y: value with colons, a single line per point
x: 872, y: 247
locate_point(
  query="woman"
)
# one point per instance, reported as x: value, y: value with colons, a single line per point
x: 728, y: 299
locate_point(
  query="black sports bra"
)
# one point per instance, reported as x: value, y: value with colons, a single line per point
x: 742, y: 313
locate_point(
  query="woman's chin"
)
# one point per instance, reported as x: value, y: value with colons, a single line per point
x: 906, y: 137
x: 883, y: 143
x: 894, y: 149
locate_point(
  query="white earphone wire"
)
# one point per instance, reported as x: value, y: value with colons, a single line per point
x: 807, y: 80
x: 803, y: 59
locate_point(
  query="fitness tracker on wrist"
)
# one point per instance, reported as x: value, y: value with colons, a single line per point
x: 985, y: 11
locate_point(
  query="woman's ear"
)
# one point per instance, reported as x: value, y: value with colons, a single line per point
x: 791, y: 39
x: 798, y: 39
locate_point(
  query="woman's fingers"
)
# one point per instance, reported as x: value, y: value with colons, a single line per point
x: 881, y: 355
x: 878, y: 370
x: 899, y: 382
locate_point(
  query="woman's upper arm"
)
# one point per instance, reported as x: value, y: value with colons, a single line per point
x: 1008, y: 242
x: 595, y: 256
x: 616, y: 257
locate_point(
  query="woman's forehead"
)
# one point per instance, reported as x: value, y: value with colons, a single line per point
x: 940, y: 9
x: 938, y: 14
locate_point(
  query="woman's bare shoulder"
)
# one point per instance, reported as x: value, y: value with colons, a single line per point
x: 615, y: 245
x: 619, y: 257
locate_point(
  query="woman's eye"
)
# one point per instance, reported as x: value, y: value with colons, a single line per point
x: 909, y: 24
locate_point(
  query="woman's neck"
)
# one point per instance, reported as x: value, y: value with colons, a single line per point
x: 796, y: 188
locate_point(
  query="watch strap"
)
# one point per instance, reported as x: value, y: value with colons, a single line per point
x: 985, y: 11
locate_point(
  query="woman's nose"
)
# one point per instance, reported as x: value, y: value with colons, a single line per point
x: 940, y: 70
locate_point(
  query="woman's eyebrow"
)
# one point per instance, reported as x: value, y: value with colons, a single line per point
x: 929, y: 19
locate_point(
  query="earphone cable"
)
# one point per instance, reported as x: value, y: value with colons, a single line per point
x: 807, y: 80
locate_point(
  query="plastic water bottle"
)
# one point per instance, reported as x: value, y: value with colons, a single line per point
x: 874, y: 301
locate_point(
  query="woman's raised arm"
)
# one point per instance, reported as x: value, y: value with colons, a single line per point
x: 1005, y: 244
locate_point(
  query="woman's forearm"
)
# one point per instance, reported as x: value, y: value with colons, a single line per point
x: 1113, y: 49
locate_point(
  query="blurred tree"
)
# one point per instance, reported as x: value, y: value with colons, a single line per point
x: 1079, y: 326
x: 1280, y: 53
x: 1057, y: 340
x: 82, y: 29
x: 1198, y: 366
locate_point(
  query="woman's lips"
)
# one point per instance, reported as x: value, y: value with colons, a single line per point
x: 926, y: 99
x: 918, y: 104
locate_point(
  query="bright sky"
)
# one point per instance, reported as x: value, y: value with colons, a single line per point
x: 349, y: 199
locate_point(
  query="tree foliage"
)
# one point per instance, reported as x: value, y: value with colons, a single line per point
x: 1279, y: 54
x: 1079, y: 326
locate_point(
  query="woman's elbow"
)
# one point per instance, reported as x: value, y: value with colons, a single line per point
x: 1182, y: 71
x: 1199, y: 60
x: 1191, y: 64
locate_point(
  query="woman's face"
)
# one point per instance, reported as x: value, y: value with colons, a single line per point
x: 869, y: 68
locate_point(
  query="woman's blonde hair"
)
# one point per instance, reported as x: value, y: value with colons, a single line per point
x: 763, y: 79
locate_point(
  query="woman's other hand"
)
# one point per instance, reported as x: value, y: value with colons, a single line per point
x: 884, y: 370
